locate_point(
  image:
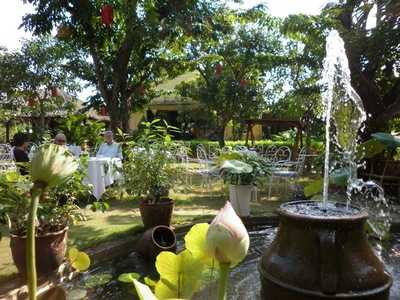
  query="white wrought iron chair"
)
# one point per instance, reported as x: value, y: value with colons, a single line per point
x: 286, y: 174
x: 269, y: 153
x: 205, y: 168
x: 282, y: 155
x: 6, y: 158
x: 182, y: 157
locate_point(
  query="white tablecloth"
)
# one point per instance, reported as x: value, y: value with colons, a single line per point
x: 102, y: 172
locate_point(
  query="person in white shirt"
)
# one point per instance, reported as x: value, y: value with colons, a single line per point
x: 60, y: 139
x: 109, y: 148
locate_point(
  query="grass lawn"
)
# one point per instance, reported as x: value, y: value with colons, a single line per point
x: 194, y: 204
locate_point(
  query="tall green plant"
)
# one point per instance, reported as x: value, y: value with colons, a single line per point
x: 79, y: 129
x: 149, y: 169
x: 241, y: 168
x: 51, y: 165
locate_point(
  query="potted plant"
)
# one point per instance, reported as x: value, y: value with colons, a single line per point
x: 150, y: 171
x: 242, y: 170
x: 56, y: 211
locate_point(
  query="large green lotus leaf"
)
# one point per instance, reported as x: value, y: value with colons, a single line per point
x: 179, y: 275
x: 369, y: 149
x: 390, y: 141
x: 195, y: 242
x: 165, y: 290
x: 98, y: 279
x: 79, y: 260
x: 143, y: 291
x: 236, y: 167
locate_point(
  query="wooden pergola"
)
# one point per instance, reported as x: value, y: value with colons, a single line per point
x: 270, y: 122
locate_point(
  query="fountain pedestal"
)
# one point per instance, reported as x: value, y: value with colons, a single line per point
x: 319, y: 257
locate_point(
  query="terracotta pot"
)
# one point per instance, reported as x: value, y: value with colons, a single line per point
x: 155, y: 240
x: 154, y: 214
x: 240, y: 196
x: 316, y: 258
x: 50, y: 251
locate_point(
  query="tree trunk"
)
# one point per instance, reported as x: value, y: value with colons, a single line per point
x: 42, y: 117
x: 221, y: 135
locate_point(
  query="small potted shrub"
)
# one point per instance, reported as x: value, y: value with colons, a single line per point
x: 150, y: 171
x: 56, y: 211
x: 242, y: 170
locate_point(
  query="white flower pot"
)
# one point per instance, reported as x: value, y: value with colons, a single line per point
x: 240, y: 196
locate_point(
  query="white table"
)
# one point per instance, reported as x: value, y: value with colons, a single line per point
x: 102, y: 172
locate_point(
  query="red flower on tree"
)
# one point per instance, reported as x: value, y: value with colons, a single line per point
x: 218, y: 70
x: 107, y: 14
x: 243, y: 83
x: 141, y: 90
x: 31, y: 102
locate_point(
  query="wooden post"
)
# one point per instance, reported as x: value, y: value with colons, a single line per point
x: 247, y: 134
x: 252, y: 135
x: 8, y: 132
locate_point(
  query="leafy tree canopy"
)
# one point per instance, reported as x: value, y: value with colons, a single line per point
x: 140, y: 45
x: 234, y: 58
x: 36, y: 79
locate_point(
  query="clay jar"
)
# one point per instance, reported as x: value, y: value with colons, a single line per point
x: 315, y: 258
x: 155, y: 240
x: 50, y: 251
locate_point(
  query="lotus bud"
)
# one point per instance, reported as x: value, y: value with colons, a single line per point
x: 52, y: 164
x: 227, y: 238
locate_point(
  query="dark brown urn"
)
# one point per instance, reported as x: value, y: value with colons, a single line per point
x: 50, y: 251
x: 155, y: 240
x: 154, y: 214
x: 315, y: 258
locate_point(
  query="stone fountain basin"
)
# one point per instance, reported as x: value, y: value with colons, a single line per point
x: 322, y: 252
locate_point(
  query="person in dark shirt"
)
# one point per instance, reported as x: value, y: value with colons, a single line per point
x: 20, y: 152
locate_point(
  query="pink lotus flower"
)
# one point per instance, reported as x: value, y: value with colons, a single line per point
x: 227, y: 238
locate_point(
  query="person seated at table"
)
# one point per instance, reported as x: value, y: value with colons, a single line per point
x: 109, y: 148
x: 60, y: 139
x: 20, y: 152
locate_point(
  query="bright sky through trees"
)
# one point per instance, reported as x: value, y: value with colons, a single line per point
x: 12, y: 11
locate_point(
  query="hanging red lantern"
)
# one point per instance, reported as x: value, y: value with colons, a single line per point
x: 55, y: 92
x: 243, y: 83
x: 218, y: 70
x: 103, y: 111
x: 106, y: 14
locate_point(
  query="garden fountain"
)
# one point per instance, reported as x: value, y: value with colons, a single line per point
x: 321, y: 250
